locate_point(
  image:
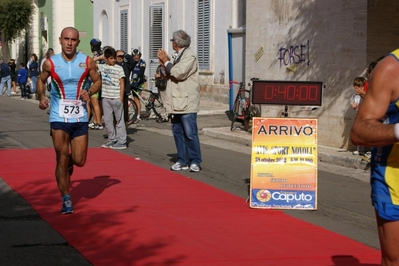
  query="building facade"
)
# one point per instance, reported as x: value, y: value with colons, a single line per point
x: 319, y: 40
x: 49, y: 18
x: 148, y: 26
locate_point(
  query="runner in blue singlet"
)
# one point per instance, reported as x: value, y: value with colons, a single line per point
x: 68, y: 113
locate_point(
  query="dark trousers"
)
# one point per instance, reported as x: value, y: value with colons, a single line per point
x: 22, y: 86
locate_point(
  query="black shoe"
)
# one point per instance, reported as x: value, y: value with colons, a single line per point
x: 162, y: 120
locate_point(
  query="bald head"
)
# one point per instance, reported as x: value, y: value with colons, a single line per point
x: 70, y: 29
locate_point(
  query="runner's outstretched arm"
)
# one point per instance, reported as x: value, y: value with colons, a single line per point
x: 41, y: 85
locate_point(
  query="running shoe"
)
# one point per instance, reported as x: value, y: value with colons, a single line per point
x: 178, y: 166
x: 195, y: 167
x: 118, y: 146
x: 92, y: 125
x: 98, y: 126
x: 67, y: 207
x: 109, y: 144
x: 137, y: 121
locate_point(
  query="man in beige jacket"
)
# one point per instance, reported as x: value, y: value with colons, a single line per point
x: 181, y: 100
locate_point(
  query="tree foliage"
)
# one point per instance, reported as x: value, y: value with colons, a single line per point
x: 15, y: 17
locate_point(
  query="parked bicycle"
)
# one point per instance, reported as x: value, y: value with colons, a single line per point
x: 152, y: 103
x: 243, y: 110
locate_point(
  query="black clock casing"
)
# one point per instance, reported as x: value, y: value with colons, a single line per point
x: 287, y: 92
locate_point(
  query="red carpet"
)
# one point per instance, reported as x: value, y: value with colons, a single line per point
x: 129, y: 212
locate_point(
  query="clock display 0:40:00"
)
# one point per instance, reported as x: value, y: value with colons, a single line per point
x: 288, y: 93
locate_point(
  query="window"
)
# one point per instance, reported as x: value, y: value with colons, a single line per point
x: 124, y: 30
x: 203, y: 33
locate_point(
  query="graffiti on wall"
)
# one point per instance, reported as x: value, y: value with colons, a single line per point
x: 294, y: 55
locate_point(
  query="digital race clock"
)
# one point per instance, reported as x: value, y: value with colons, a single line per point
x: 287, y: 92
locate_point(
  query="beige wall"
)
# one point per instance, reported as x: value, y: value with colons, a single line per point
x: 338, y: 40
x: 382, y: 28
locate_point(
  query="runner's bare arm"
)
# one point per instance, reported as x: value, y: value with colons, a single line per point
x: 95, y: 77
x: 122, y: 88
x: 368, y: 128
x: 41, y: 85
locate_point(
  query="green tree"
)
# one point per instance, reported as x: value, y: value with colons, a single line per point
x: 15, y: 18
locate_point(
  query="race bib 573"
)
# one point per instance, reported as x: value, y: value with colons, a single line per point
x: 71, y: 108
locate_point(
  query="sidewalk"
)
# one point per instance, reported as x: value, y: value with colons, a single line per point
x: 331, y: 155
x: 335, y: 156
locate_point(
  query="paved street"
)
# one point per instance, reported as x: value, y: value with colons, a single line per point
x: 343, y: 193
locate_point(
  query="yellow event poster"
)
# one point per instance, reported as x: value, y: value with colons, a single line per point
x: 284, y: 163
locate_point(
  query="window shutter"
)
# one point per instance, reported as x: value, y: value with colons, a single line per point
x: 155, y: 30
x: 124, y: 30
x: 203, y: 34
x: 156, y: 37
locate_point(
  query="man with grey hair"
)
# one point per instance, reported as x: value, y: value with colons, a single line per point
x: 181, y: 100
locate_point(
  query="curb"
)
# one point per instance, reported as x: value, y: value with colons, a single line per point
x: 211, y: 112
x: 224, y: 133
x: 338, y: 157
x: 329, y: 155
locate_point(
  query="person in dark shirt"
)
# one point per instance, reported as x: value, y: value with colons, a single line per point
x: 127, y: 63
x: 33, y: 71
x: 22, y: 79
x: 13, y: 68
x: 5, y: 74
x: 138, y: 79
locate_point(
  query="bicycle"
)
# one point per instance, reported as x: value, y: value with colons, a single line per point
x: 243, y: 110
x: 153, y: 102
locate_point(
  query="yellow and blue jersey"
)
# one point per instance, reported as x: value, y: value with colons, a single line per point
x: 385, y: 168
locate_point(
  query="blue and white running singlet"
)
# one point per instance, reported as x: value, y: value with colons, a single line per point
x: 68, y: 78
x: 385, y: 168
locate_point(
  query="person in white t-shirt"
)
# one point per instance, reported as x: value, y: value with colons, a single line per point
x: 113, y: 88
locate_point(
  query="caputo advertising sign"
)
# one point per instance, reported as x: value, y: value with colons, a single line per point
x: 284, y: 164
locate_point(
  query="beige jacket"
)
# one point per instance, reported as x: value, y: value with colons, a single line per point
x: 182, y: 94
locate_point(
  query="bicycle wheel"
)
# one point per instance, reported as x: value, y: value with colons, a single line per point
x: 234, y: 113
x: 149, y: 104
x: 132, y: 111
x: 158, y: 108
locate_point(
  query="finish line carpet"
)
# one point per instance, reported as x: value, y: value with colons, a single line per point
x: 129, y: 212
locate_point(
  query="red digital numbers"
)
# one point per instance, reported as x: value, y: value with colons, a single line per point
x: 314, y: 93
x: 282, y: 92
x: 269, y: 92
x: 290, y: 92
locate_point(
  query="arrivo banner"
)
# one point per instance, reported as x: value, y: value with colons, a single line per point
x: 284, y: 164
